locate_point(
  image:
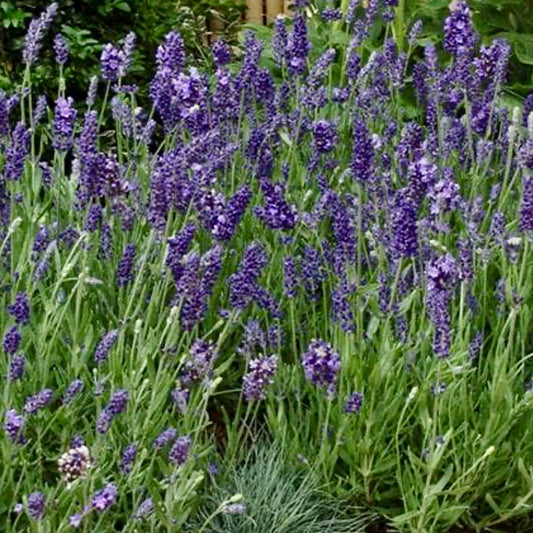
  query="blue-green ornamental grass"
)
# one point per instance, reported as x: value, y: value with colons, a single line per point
x: 280, y: 248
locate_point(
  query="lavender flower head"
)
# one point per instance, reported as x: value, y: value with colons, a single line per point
x: 353, y: 403
x: 74, y: 463
x: 39, y: 110
x: 102, y: 350
x: 171, y: 54
x: 243, y: 283
x: 125, y: 266
x: 321, y: 365
x: 17, y: 152
x: 180, y: 450
x: 442, y: 274
x: 38, y: 401
x: 145, y: 508
x: 459, y: 33
x: 61, y: 50
x: 276, y: 213
x: 35, y: 34
x: 117, y: 404
x: 16, y: 367
x: 200, y: 361
x: 298, y: 45
x: 36, y: 505
x: 526, y: 209
x: 64, y: 120
x: 221, y: 53
x: 111, y: 63
x: 72, y: 391
x: 11, y: 341
x: 20, y: 309
x: 260, y: 375
x: 164, y: 438
x: 404, y: 218
x: 525, y: 155
x: 325, y: 136
x: 127, y: 53
x: 14, y: 426
x: 105, y: 498
x: 128, y: 458
x: 235, y: 508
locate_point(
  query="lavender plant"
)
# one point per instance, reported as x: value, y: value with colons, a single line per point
x: 291, y: 252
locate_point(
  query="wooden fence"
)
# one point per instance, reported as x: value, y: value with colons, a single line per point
x: 265, y: 11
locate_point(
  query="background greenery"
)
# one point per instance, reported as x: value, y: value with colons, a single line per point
x: 87, y: 25
x: 87, y: 29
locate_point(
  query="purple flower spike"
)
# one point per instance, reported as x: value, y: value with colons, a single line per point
x: 36, y: 505
x: 363, y: 152
x: 404, y: 218
x: 459, y: 33
x: 526, y: 209
x: 38, y: 401
x: 321, y: 365
x: 145, y: 508
x: 64, y: 123
x: 14, y: 425
x: 111, y: 63
x: 102, y: 350
x: 75, y: 520
x: 72, y: 391
x: 276, y: 213
x: 164, y: 438
x: 441, y: 276
x: 325, y: 136
x: 60, y: 49
x: 259, y: 377
x: 171, y: 54
x: 221, y: 53
x: 11, y: 341
x: 128, y: 458
x: 243, y: 283
x: 129, y: 48
x: 180, y: 450
x: 235, y: 508
x: 353, y: 403
x: 298, y: 45
x: 198, y: 365
x: 34, y: 36
x: 125, y: 266
x: 40, y: 109
x: 117, y: 404
x: 16, y: 367
x: 105, y: 498
x: 17, y: 152
x: 20, y: 308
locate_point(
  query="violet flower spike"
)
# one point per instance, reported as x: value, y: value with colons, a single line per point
x: 321, y: 365
x: 105, y: 498
x: 35, y: 34
x: 102, y: 350
x: 14, y: 426
x: 180, y: 450
x: 61, y: 50
x: 36, y: 505
x: 64, y: 119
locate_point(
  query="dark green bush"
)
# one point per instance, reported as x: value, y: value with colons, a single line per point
x: 87, y: 26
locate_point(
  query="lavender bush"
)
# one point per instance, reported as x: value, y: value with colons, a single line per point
x: 282, y: 240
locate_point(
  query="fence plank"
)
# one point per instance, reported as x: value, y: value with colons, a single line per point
x: 273, y: 9
x: 254, y: 11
